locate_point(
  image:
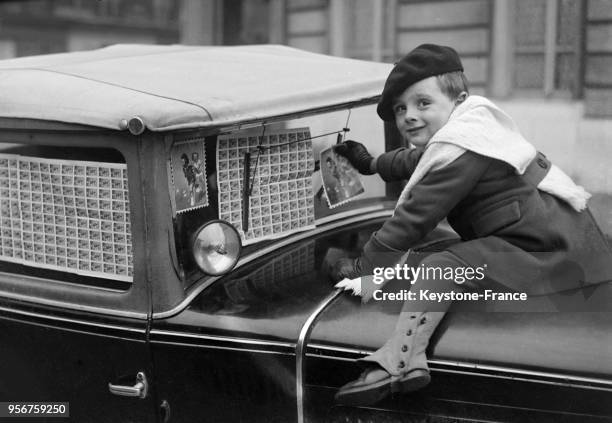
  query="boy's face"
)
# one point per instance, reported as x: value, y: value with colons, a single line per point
x: 331, y: 164
x: 421, y: 110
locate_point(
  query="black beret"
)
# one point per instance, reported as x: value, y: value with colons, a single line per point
x: 424, y: 61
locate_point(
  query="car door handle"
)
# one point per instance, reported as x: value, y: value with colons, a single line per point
x: 139, y: 389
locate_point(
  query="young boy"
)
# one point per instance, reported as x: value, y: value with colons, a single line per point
x: 517, y: 215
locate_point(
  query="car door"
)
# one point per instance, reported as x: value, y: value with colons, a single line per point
x: 50, y: 355
x: 74, y: 303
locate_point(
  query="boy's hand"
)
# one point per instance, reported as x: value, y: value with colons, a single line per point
x: 357, y: 154
x: 345, y: 268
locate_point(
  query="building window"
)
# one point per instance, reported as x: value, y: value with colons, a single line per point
x: 370, y: 30
x: 308, y: 25
x: 548, y: 46
x: 245, y: 22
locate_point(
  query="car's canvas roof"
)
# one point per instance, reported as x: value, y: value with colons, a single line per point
x: 176, y: 87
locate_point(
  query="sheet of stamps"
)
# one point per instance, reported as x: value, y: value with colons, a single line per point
x: 188, y: 175
x: 341, y: 181
x: 281, y: 197
x: 66, y: 215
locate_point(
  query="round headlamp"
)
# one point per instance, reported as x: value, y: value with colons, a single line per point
x: 216, y: 247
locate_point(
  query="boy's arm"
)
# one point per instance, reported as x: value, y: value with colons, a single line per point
x: 396, y: 164
x: 392, y: 166
x: 430, y: 201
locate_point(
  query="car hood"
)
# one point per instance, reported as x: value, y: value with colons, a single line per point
x: 539, y: 339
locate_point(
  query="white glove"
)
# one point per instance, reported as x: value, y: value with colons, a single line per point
x: 350, y: 284
x: 362, y: 287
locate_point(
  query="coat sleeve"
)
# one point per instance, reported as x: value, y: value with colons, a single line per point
x: 429, y: 201
x: 398, y: 164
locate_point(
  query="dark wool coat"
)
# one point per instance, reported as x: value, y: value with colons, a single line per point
x: 530, y: 240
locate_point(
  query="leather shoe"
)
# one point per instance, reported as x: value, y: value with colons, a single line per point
x: 412, y: 381
x: 373, y: 385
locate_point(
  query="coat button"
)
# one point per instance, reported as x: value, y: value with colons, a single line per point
x: 423, y: 320
x: 401, y: 364
x: 542, y: 163
x: 404, y: 348
x: 409, y: 332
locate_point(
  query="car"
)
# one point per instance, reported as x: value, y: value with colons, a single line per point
x: 165, y: 237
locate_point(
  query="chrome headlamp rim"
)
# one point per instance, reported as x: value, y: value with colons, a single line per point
x: 238, y: 245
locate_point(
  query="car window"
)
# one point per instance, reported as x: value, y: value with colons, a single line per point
x: 65, y: 215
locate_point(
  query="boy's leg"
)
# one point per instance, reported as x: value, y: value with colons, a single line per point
x: 403, y: 355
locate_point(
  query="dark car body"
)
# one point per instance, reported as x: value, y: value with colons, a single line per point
x: 272, y: 340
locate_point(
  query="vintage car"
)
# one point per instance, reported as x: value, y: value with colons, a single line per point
x: 164, y: 240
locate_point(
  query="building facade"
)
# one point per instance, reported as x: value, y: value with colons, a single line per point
x: 54, y: 26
